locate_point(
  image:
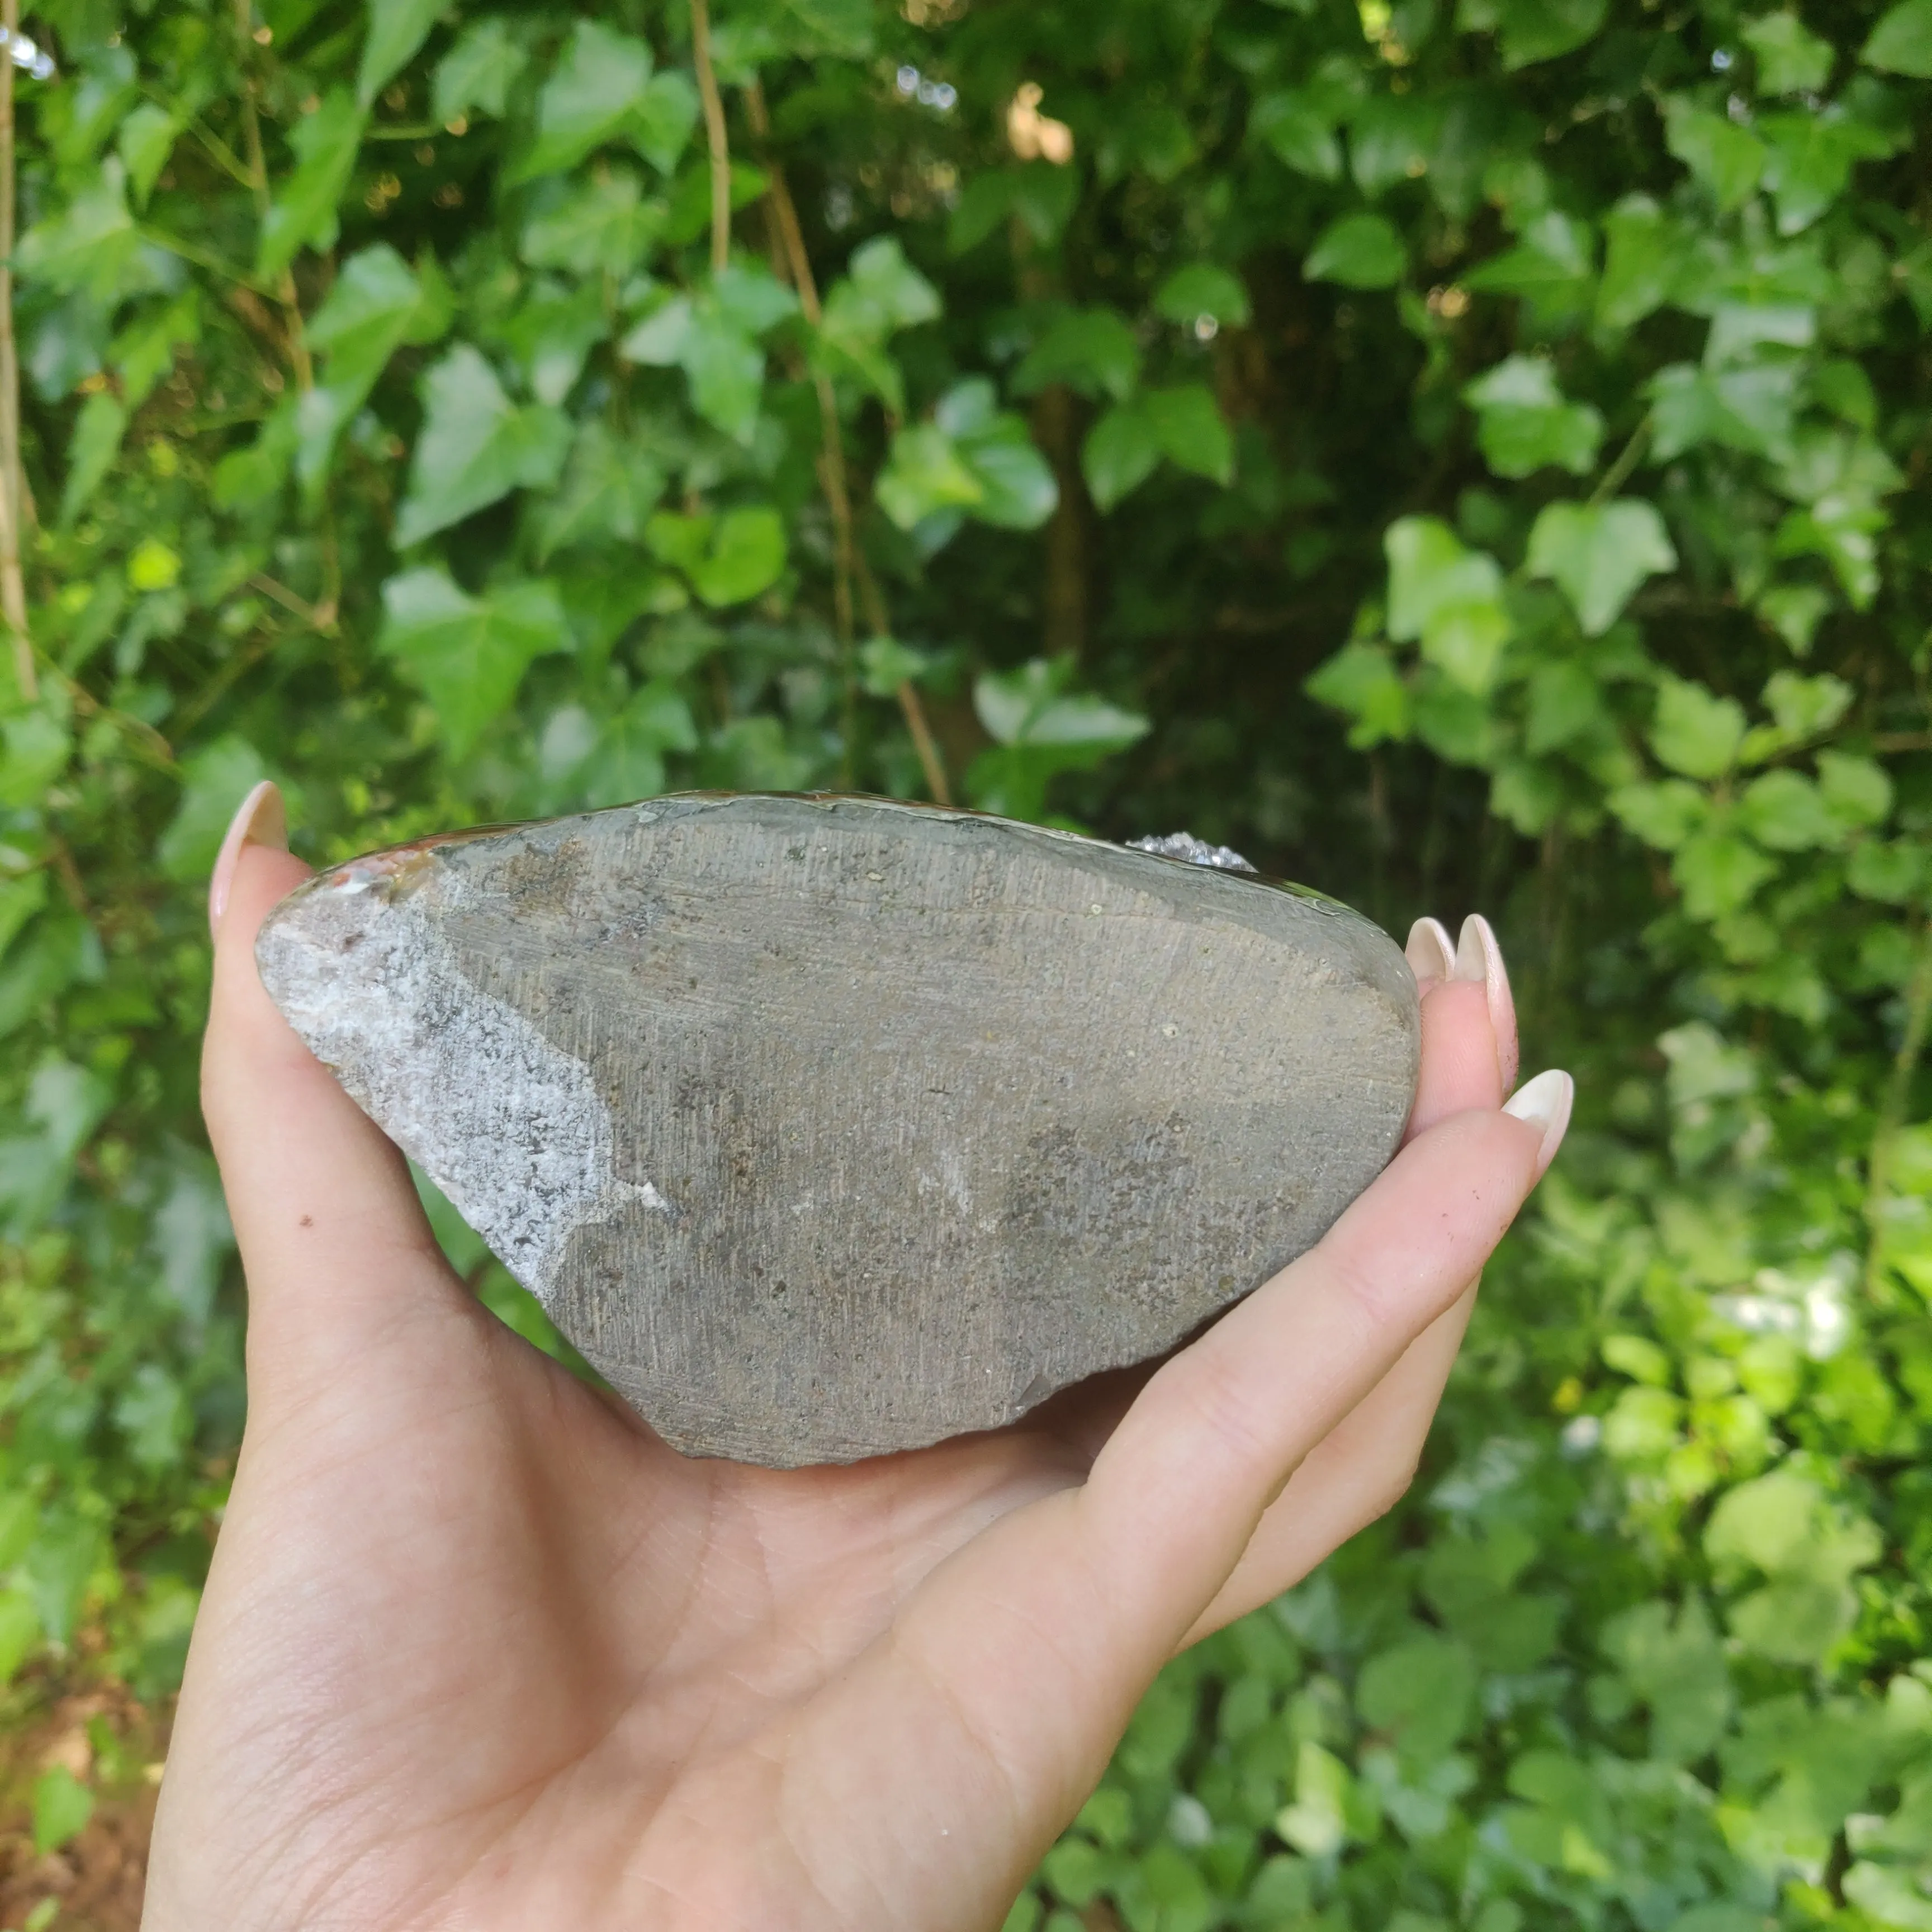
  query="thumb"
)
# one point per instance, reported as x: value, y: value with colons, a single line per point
x: 332, y: 1237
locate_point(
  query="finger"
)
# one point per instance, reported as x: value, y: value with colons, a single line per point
x: 332, y: 1237
x: 1357, y: 1472
x: 1469, y: 1021
x: 1479, y: 962
x: 1220, y: 1429
x: 1365, y: 1464
x: 1458, y: 1071
x: 1028, y: 1648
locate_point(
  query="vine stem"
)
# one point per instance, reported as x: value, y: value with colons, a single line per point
x: 258, y: 174
x: 848, y: 565
x: 1628, y: 457
x: 1896, y: 1103
x: 714, y: 135
x: 12, y: 584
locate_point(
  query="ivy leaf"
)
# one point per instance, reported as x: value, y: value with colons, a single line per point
x: 376, y: 305
x: 1017, y: 489
x: 712, y: 339
x: 1856, y: 788
x: 96, y: 442
x: 729, y: 560
x: 305, y: 213
x: 1598, y: 554
x: 144, y: 352
x: 88, y: 245
x: 64, y: 1105
x: 1540, y: 30
x: 880, y: 293
x: 1526, y: 424
x: 1448, y: 597
x: 1189, y: 427
x: 397, y: 28
x: 1642, y: 260
x: 1092, y: 350
x: 1203, y: 290
x: 1901, y: 42
x: 1795, y: 611
x: 661, y: 122
x: 608, y: 493
x: 1723, y: 158
x: 214, y: 780
x: 146, y: 139
x: 1120, y: 455
x: 1296, y: 127
x: 1422, y: 1693
x: 60, y: 1806
x: 475, y: 447
x: 598, y: 83
x: 925, y: 474
x: 467, y: 654
x: 752, y: 299
x: 1810, y: 159
x: 1791, y: 59
x: 839, y: 29
x: 727, y: 372
x: 475, y: 76
x: 1360, y: 251
x: 1360, y: 681
x: 603, y: 226
x: 1663, y: 815
x: 1753, y: 409
x: 627, y: 761
x: 1784, y: 811
x: 1041, y: 727
x: 746, y: 556
x: 1550, y: 267
x: 1694, y: 731
x: 1394, y: 138
x: 553, y: 330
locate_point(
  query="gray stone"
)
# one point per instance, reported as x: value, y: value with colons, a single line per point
x: 827, y: 1126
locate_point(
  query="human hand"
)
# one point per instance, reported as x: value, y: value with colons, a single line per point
x: 478, y: 1651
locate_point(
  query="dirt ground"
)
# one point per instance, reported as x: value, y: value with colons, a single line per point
x: 94, y: 1883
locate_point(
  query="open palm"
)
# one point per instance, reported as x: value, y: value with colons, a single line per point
x: 478, y: 1651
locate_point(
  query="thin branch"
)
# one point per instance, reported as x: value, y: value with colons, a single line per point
x: 848, y: 562
x: 191, y: 251
x: 13, y: 585
x: 1628, y: 457
x: 715, y: 135
x: 218, y: 151
x: 147, y: 742
x: 258, y: 169
x: 931, y: 759
x: 778, y: 192
x: 317, y: 616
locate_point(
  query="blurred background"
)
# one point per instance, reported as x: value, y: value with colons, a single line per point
x: 1463, y: 455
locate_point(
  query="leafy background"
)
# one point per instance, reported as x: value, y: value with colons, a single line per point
x: 1462, y: 456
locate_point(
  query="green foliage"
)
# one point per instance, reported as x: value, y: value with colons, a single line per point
x: 1458, y: 455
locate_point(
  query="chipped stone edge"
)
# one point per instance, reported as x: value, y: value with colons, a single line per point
x: 379, y: 1000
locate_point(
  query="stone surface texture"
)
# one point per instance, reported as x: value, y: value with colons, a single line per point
x: 827, y: 1127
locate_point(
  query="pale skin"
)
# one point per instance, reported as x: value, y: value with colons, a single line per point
x: 477, y: 1651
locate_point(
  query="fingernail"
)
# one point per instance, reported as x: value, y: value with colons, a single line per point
x: 1479, y: 960
x: 1430, y: 956
x: 1545, y: 1102
x: 261, y: 819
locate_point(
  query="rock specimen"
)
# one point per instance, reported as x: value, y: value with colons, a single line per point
x: 825, y: 1126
